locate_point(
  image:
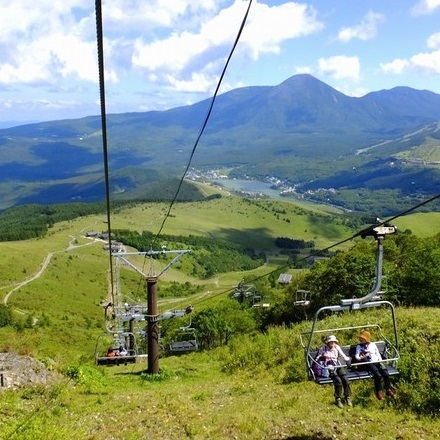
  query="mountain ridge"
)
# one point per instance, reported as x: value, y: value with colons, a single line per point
x: 299, y: 130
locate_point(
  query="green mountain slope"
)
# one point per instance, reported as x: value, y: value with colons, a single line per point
x: 299, y: 130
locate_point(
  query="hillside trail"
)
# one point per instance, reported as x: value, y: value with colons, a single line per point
x: 43, y: 267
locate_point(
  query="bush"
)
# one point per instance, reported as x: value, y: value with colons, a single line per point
x: 5, y: 316
x: 420, y: 365
x: 91, y: 379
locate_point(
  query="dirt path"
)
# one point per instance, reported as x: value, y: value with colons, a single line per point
x: 43, y: 267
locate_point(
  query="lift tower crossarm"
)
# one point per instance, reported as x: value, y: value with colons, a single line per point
x: 122, y: 255
x: 173, y: 261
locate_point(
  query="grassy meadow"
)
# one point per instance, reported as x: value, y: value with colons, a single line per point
x: 64, y: 276
x: 254, y: 388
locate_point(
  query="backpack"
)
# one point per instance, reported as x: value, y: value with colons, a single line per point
x: 320, y: 369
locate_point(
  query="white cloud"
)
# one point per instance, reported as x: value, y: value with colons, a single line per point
x: 425, y: 7
x: 427, y: 62
x: 303, y: 69
x: 269, y: 27
x: 433, y: 41
x: 141, y: 15
x: 396, y: 66
x: 355, y: 92
x: 206, y: 49
x: 424, y: 62
x: 137, y: 14
x: 365, y: 30
x: 23, y: 18
x: 340, y: 67
x: 47, y: 59
x: 197, y: 83
x: 42, y: 106
x: 46, y: 43
x: 57, y: 40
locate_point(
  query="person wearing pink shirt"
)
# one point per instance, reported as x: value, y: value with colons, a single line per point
x: 329, y: 355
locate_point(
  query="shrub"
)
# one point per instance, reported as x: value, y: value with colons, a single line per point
x: 5, y: 316
x: 91, y: 379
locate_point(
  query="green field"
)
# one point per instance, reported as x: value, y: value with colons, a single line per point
x: 205, y: 395
x: 254, y: 388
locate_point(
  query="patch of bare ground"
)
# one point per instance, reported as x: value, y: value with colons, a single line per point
x: 18, y: 371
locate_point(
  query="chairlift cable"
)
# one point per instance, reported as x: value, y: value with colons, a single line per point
x: 99, y: 35
x: 205, y: 122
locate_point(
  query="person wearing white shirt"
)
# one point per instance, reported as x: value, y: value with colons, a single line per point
x: 122, y: 351
x: 367, y: 351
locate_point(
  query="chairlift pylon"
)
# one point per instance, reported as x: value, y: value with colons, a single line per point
x: 135, y: 320
x: 244, y: 292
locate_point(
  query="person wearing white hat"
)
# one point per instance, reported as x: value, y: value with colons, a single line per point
x: 330, y: 355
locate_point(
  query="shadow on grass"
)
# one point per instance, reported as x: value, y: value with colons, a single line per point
x: 306, y: 437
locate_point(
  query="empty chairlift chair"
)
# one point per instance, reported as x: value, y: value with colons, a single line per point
x: 186, y: 341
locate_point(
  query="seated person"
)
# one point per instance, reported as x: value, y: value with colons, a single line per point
x: 111, y: 352
x: 122, y: 351
x: 367, y: 351
x: 329, y: 355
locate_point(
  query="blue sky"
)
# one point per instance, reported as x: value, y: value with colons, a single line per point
x: 162, y: 54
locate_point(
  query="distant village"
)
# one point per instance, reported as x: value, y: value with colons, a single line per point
x: 285, y: 187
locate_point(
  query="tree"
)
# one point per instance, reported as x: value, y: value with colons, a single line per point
x: 215, y: 326
x: 415, y: 276
x: 349, y: 274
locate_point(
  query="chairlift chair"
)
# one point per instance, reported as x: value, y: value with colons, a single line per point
x: 185, y: 341
x: 119, y: 340
x: 311, y: 342
x: 389, y: 347
x: 302, y: 298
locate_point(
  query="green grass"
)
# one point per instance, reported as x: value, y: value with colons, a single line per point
x: 195, y: 397
x: 255, y: 224
x: 424, y: 224
x: 253, y: 389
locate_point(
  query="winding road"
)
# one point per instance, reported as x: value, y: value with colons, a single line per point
x: 43, y: 267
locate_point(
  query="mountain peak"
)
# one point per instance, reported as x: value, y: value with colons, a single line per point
x: 268, y: 129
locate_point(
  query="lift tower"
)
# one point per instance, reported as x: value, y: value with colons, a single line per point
x: 152, y: 316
